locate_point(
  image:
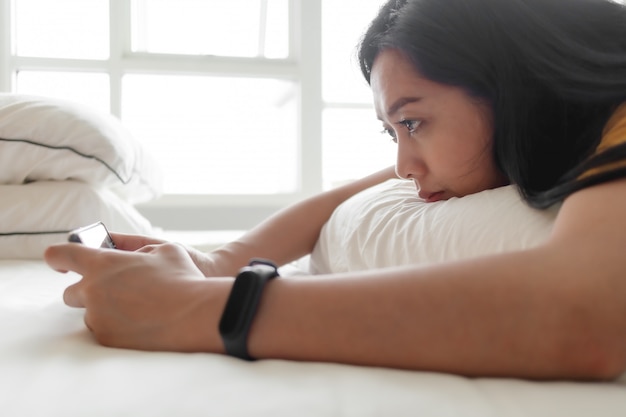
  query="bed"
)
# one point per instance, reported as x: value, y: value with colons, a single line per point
x: 63, y: 166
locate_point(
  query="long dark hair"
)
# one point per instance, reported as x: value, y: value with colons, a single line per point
x: 552, y: 70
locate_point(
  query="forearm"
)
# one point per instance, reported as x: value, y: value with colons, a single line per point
x: 292, y: 232
x: 495, y: 316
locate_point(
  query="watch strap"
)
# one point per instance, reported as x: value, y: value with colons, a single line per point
x: 242, y: 305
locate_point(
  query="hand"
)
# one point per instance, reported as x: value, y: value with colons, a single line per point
x: 152, y: 299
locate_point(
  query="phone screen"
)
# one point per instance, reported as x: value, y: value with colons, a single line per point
x: 94, y: 236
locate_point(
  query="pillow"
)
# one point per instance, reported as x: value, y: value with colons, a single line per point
x: 389, y: 225
x: 36, y: 215
x: 50, y: 139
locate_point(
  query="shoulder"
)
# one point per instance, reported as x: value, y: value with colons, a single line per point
x: 591, y: 227
x: 593, y: 220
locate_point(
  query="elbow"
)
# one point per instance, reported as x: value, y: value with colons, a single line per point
x: 588, y: 332
x: 593, y: 355
x: 599, y: 363
x: 612, y: 373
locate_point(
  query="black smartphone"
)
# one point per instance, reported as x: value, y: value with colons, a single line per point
x: 95, y: 235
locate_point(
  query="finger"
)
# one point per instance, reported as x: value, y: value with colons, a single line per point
x: 72, y: 296
x: 47, y: 255
x: 147, y: 248
x: 70, y: 257
x: 133, y: 242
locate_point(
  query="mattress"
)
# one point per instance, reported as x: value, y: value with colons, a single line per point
x: 51, y: 366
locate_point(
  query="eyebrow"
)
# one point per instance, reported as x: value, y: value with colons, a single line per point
x: 401, y: 102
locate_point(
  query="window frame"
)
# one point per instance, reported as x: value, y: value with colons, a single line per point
x: 204, y: 212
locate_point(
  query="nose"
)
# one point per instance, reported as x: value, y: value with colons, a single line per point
x: 409, y: 163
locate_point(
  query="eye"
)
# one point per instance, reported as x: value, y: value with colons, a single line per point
x: 390, y: 132
x: 411, y: 125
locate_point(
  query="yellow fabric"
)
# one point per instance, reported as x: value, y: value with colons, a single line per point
x: 614, y: 133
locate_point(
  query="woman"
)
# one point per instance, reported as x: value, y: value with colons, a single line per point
x: 477, y: 95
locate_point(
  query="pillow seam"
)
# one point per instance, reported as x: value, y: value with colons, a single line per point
x: 77, y: 152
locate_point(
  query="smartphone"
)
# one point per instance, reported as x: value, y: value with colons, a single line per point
x: 95, y: 235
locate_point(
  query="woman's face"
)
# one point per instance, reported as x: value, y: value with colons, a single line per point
x: 444, y: 136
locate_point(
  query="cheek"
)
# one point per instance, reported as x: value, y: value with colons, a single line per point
x: 477, y: 145
x: 464, y: 158
x: 471, y: 165
x: 484, y: 171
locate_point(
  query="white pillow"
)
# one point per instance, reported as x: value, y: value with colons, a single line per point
x: 49, y: 139
x: 389, y: 225
x: 36, y: 215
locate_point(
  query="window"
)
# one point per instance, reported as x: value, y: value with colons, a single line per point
x: 248, y: 105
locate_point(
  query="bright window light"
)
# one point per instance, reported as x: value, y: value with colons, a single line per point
x: 62, y: 28
x: 91, y: 89
x: 216, y: 135
x: 353, y: 146
x: 240, y: 28
x: 342, y: 77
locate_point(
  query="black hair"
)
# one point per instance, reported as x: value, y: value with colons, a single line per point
x: 553, y: 72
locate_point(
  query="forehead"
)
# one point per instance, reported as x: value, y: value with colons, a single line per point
x: 392, y: 63
x: 394, y: 78
x: 395, y: 82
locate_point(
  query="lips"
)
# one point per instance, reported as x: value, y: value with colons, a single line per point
x: 432, y: 197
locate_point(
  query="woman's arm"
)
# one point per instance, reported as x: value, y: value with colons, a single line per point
x: 289, y: 234
x: 556, y: 311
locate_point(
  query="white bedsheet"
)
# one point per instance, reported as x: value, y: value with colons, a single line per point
x: 50, y: 366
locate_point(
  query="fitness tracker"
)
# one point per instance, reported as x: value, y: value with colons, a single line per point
x: 242, y: 305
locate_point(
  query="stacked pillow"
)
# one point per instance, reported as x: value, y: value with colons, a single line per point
x: 62, y: 166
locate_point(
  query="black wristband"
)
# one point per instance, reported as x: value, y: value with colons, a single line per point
x: 242, y: 305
